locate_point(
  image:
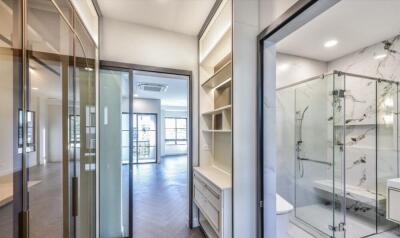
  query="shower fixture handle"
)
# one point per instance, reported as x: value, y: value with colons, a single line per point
x: 315, y: 161
x: 339, y: 228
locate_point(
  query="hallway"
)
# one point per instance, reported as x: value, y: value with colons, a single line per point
x: 160, y: 206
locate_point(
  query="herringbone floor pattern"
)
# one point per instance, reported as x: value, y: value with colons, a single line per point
x: 160, y: 205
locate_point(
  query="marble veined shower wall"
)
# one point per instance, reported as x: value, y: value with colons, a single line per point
x: 337, y: 146
x: 380, y: 60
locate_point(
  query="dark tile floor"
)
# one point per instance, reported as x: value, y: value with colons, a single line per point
x: 160, y: 200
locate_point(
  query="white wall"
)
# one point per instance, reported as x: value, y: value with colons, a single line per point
x: 54, y: 127
x: 244, y: 88
x: 131, y: 43
x: 6, y: 115
x: 292, y: 69
x: 269, y: 10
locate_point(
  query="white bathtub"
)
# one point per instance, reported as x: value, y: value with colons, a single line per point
x: 283, y: 210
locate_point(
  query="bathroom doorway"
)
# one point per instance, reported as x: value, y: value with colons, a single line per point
x: 330, y: 104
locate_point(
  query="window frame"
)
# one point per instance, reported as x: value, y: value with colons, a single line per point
x: 30, y: 147
x: 176, y: 128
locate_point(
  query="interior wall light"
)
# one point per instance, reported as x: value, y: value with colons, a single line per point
x: 380, y: 56
x: 283, y: 67
x: 330, y: 43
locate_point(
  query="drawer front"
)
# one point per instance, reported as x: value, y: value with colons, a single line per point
x: 209, y: 192
x: 207, y: 208
x: 394, y: 205
x: 200, y: 199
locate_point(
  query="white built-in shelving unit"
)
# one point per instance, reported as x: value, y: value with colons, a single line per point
x: 212, y: 189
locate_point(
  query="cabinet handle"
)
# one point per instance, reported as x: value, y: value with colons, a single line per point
x: 211, y: 191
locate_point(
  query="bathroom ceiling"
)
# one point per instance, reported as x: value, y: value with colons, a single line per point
x: 355, y: 24
x: 182, y: 16
x: 174, y: 96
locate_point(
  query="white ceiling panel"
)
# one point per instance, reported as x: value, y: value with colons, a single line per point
x: 355, y: 24
x: 182, y: 16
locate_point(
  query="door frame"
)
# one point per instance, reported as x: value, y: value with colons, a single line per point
x: 119, y: 66
x: 297, y: 15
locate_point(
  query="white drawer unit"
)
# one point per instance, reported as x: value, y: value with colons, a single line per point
x: 212, y: 194
x: 393, y: 198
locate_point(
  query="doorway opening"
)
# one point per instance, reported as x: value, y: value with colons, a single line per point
x: 329, y: 134
x: 146, y: 112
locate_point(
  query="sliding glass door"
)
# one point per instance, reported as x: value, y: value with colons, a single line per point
x: 11, y: 119
x: 48, y: 115
x: 115, y: 153
x: 126, y: 138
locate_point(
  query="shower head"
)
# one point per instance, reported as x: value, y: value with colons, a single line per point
x: 304, y: 111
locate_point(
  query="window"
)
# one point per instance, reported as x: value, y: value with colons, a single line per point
x: 175, y: 131
x: 74, y: 132
x: 30, y: 135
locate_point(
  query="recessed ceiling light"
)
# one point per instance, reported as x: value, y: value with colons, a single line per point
x: 283, y: 67
x: 330, y: 43
x: 135, y: 95
x: 380, y: 56
x: 35, y: 88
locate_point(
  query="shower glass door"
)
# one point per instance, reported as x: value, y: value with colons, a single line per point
x: 319, y: 110
x: 144, y: 138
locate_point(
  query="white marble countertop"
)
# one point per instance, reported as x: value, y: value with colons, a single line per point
x: 216, y: 176
x: 394, y: 183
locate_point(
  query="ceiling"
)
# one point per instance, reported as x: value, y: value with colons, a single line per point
x: 182, y: 16
x: 176, y: 94
x: 355, y: 24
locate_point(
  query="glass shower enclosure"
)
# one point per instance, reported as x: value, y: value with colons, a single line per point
x: 343, y: 130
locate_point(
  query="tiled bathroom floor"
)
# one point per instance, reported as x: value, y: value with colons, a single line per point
x: 296, y: 232
x: 320, y: 216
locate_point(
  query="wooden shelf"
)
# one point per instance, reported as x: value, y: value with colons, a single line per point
x: 218, y: 110
x: 222, y: 77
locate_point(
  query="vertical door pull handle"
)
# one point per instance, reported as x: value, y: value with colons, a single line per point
x: 75, y: 196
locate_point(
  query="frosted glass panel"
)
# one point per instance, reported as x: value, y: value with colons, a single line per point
x: 114, y: 154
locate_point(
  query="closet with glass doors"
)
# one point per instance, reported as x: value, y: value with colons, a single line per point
x: 212, y: 178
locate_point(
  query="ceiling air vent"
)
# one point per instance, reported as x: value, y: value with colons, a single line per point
x: 152, y: 87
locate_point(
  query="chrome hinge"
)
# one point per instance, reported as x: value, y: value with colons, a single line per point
x: 339, y: 228
x: 339, y: 93
x: 261, y: 203
x: 75, y: 196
